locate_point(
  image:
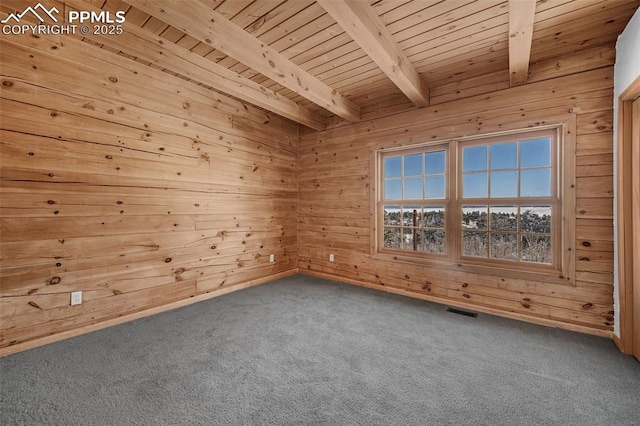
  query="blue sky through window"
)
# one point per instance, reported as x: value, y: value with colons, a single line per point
x: 504, y: 184
x: 475, y: 185
x: 535, y: 153
x: 392, y: 167
x: 532, y: 157
x: 474, y: 159
x: 504, y: 156
x: 413, y: 188
x: 500, y: 170
x: 434, y: 187
x: 413, y: 165
x: 415, y: 176
x: 535, y: 183
x: 393, y: 189
x: 434, y: 162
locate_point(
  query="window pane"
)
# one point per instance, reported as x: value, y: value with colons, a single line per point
x: 434, y: 187
x: 393, y: 189
x: 392, y: 215
x: 504, y: 246
x: 474, y: 158
x: 536, y: 219
x: 413, y: 165
x: 474, y: 217
x: 409, y: 213
x: 413, y: 188
x: 392, y: 237
x: 392, y: 167
x: 535, y: 153
x: 433, y: 217
x: 504, y: 184
x: 433, y: 241
x: 474, y: 244
x: 474, y: 185
x: 536, y: 249
x: 410, y: 238
x: 435, y: 162
x: 535, y: 183
x: 504, y: 156
x: 503, y: 218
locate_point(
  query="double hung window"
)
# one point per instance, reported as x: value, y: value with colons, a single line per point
x: 492, y: 200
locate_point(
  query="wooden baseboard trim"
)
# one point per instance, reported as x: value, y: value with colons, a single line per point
x: 220, y: 292
x: 621, y: 345
x: 618, y: 342
x: 470, y: 306
x: 8, y: 350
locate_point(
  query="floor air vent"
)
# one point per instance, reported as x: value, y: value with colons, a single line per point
x: 461, y: 312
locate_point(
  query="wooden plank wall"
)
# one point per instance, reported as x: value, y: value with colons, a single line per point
x: 139, y: 188
x: 335, y: 190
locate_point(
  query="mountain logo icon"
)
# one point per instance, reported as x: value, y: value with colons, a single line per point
x: 34, y: 11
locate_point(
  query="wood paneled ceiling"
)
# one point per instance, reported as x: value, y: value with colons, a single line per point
x: 326, y: 61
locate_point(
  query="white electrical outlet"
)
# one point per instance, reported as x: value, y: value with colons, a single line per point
x: 76, y: 297
x: 272, y: 258
x: 332, y: 258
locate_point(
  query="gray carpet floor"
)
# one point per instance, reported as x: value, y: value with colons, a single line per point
x: 303, y: 351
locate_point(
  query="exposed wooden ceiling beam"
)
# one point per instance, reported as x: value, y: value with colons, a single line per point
x: 521, y: 17
x: 143, y: 44
x: 365, y: 27
x: 210, y: 27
